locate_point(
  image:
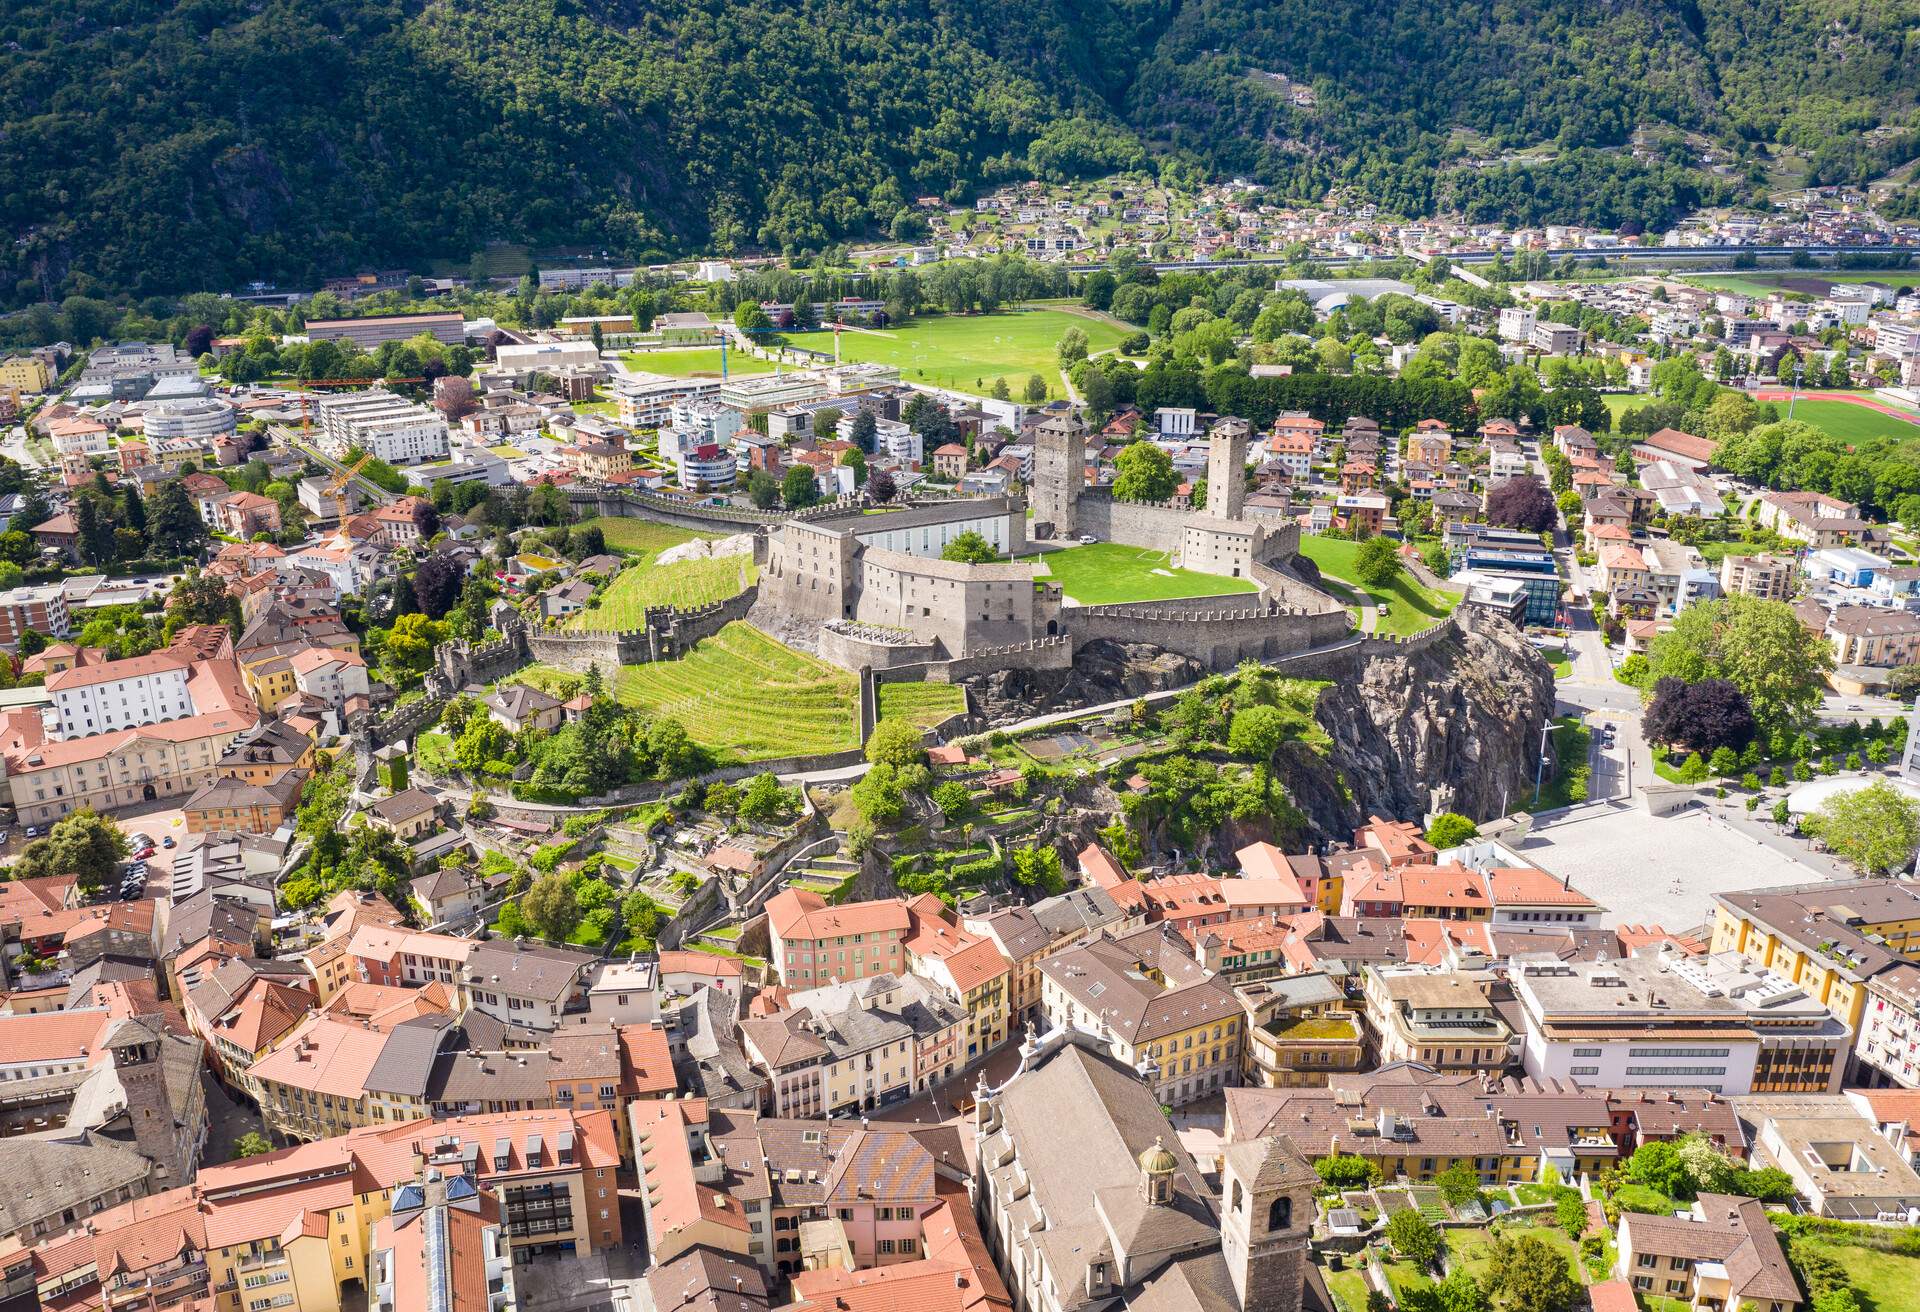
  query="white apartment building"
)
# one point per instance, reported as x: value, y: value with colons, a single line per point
x: 332, y: 676
x: 83, y: 440
x: 383, y: 425
x: 1664, y: 1020
x: 900, y: 442
x: 647, y: 400
x: 706, y: 468
x: 748, y: 392
x: 1901, y: 340
x: 122, y: 694
x: 1516, y: 323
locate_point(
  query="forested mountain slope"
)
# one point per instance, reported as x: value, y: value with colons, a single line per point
x: 1405, y: 89
x: 151, y: 146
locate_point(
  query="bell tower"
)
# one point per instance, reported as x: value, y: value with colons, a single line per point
x: 1266, y: 1214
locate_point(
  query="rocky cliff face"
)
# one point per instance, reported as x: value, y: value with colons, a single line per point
x: 1102, y: 672
x: 1454, y: 725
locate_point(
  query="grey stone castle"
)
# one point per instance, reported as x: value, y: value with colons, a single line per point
x: 874, y: 593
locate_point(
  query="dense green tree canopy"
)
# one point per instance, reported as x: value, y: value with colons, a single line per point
x: 161, y: 148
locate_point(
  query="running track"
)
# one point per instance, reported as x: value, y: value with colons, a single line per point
x: 1850, y: 398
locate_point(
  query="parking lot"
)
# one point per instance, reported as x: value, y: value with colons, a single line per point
x: 1664, y: 870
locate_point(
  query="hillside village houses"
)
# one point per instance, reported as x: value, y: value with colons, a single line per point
x: 813, y: 1099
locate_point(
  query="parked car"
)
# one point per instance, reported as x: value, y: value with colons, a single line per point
x: 168, y: 841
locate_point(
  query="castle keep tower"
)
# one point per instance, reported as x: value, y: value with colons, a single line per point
x: 1227, y: 468
x: 1059, y: 475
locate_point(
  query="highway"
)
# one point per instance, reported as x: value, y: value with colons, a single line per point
x: 1665, y: 253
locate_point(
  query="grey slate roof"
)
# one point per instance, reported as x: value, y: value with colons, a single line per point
x: 526, y: 970
x: 56, y: 1169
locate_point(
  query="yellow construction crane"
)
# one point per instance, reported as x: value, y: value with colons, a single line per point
x: 346, y: 475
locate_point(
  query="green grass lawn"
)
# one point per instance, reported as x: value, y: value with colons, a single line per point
x: 1406, y: 1278
x: 1851, y: 423
x: 685, y: 583
x: 1473, y: 1249
x: 1765, y: 283
x: 1640, y: 1198
x: 1410, y: 606
x: 1102, y: 573
x: 640, y: 537
x: 1618, y: 403
x: 1348, y: 1286
x: 922, y: 704
x: 742, y: 694
x: 699, y: 360
x: 434, y: 752
x: 970, y: 352
x: 1887, y: 1280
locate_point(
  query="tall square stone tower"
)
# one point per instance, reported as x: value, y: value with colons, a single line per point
x: 1227, y: 468
x: 1266, y: 1214
x: 1059, y: 474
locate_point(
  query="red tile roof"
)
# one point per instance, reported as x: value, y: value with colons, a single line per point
x: 796, y: 913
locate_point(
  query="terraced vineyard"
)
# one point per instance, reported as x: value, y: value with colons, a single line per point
x: 922, y: 704
x: 744, y: 695
x: 685, y: 583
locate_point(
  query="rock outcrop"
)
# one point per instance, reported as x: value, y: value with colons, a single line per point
x: 1453, y: 724
x: 1102, y: 672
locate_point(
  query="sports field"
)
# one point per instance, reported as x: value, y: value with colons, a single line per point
x: 1410, y: 607
x: 1850, y: 422
x: 685, y: 583
x: 701, y: 360
x: 922, y: 704
x: 969, y: 352
x: 1102, y: 573
x: 1812, y: 282
x: 741, y: 694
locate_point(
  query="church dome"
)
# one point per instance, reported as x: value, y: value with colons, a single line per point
x: 1157, y: 1160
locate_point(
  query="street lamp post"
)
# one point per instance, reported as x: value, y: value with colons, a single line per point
x: 1799, y: 372
x: 1540, y: 766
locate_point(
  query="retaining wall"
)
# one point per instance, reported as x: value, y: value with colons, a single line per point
x: 667, y: 633
x: 1041, y: 654
x: 1219, y: 640
x: 408, y: 720
x: 1284, y: 588
x: 633, y: 503
x: 856, y: 653
x: 784, y: 765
